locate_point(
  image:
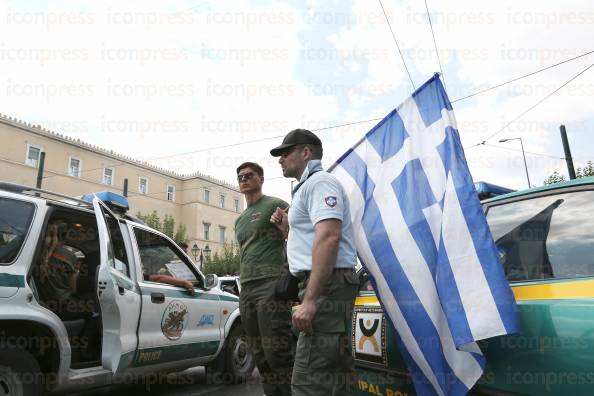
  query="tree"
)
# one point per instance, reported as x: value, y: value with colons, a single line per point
x: 168, y: 226
x: 180, y: 234
x: 224, y: 263
x: 554, y: 178
x: 586, y: 171
x: 152, y: 220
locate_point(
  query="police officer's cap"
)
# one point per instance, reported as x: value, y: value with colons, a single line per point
x: 294, y: 138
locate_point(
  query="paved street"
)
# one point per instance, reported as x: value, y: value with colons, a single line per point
x: 191, y: 382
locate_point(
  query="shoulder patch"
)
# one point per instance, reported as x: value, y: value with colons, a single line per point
x: 331, y: 201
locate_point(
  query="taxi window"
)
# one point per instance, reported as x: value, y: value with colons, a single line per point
x: 161, y: 257
x: 548, y: 237
x: 15, y: 219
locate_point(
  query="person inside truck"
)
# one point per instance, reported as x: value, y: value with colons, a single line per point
x: 58, y: 275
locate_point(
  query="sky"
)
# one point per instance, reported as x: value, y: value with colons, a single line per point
x: 171, y: 82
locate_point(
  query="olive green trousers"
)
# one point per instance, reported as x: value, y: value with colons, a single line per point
x: 323, y: 360
x: 267, y: 323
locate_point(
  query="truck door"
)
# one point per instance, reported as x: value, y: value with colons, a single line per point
x: 174, y: 325
x: 117, y: 293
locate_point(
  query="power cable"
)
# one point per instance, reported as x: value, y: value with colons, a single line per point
x: 521, y: 77
x: 534, y: 105
x: 435, y: 45
x: 228, y: 145
x: 397, y: 46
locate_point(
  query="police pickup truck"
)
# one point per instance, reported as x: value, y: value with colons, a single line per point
x: 89, y: 296
x: 545, y: 238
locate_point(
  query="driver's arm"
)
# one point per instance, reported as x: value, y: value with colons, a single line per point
x: 170, y: 280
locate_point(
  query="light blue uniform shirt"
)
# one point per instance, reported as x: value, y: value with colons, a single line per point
x: 318, y: 198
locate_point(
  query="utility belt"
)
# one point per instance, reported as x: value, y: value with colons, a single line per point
x: 303, y: 275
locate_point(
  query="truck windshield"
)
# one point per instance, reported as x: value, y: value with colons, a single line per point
x: 15, y: 219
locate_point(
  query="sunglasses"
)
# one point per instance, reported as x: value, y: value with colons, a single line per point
x: 245, y: 176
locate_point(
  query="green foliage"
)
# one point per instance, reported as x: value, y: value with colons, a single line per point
x: 586, y: 171
x: 554, y: 178
x: 180, y: 234
x: 223, y: 264
x: 168, y: 226
x: 152, y: 220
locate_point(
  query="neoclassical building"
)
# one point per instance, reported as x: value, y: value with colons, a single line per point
x: 206, y: 206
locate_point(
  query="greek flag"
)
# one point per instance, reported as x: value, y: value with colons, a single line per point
x: 422, y: 235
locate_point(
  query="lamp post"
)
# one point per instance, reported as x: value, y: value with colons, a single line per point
x: 207, y: 252
x: 523, y: 155
x: 195, y: 252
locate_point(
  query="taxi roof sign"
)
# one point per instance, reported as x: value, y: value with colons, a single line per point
x: 114, y: 201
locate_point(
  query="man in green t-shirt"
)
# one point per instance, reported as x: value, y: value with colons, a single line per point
x: 266, y: 320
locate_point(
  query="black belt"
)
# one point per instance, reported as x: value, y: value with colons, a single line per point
x: 306, y: 274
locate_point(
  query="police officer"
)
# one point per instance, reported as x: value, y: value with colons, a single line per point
x: 266, y: 320
x: 322, y: 255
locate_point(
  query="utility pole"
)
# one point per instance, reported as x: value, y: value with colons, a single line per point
x: 40, y: 169
x: 568, y: 158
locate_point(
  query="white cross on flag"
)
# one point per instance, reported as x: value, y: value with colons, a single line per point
x: 422, y: 236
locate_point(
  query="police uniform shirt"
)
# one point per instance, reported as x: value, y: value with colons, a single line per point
x: 318, y: 197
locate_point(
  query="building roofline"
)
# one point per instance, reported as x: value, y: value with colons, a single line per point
x: 44, y: 132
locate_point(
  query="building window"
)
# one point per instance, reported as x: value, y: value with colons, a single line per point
x: 170, y: 193
x: 143, y: 185
x: 236, y: 205
x: 222, y: 234
x: 74, y: 167
x: 108, y: 176
x: 33, y: 155
x: 222, y: 201
x: 206, y: 196
x: 206, y: 231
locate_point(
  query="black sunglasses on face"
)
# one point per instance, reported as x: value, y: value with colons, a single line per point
x: 245, y: 176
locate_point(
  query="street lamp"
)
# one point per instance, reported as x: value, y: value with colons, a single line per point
x: 523, y: 155
x: 207, y: 252
x: 195, y: 250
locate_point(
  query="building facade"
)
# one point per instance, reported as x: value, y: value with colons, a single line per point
x: 206, y: 206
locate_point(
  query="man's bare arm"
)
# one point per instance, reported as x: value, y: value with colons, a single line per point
x: 324, y: 253
x: 170, y: 280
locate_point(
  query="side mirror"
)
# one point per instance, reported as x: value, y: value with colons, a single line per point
x: 210, y: 281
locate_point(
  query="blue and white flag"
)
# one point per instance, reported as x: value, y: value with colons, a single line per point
x: 422, y: 235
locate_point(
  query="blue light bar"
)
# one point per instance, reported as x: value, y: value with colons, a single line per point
x: 112, y: 200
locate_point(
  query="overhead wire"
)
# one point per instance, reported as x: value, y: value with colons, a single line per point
x: 435, y: 45
x: 397, y: 46
x: 534, y: 105
x: 521, y: 77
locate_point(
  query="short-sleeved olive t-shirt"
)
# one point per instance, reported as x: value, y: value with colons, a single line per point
x: 262, y: 246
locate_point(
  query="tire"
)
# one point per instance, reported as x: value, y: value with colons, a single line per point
x: 235, y: 363
x: 20, y: 374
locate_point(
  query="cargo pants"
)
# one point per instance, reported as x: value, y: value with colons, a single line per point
x: 267, y: 323
x: 323, y: 361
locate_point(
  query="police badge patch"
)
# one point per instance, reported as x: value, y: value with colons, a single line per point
x: 174, y: 320
x: 331, y: 201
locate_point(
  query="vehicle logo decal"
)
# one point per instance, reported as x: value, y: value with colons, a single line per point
x: 331, y: 201
x: 174, y: 320
x: 206, y: 320
x: 369, y: 329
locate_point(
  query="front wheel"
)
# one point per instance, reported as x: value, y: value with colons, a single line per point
x: 235, y: 362
x: 19, y: 373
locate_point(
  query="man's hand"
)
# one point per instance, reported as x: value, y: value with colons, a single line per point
x: 303, y: 316
x: 188, y: 286
x: 280, y: 218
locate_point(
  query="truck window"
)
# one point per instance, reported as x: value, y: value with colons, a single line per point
x: 15, y: 219
x: 546, y: 237
x: 159, y: 256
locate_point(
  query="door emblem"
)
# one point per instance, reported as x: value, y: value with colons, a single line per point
x: 369, y: 335
x: 174, y: 320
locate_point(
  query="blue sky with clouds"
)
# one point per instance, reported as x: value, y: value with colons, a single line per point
x: 201, y: 74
